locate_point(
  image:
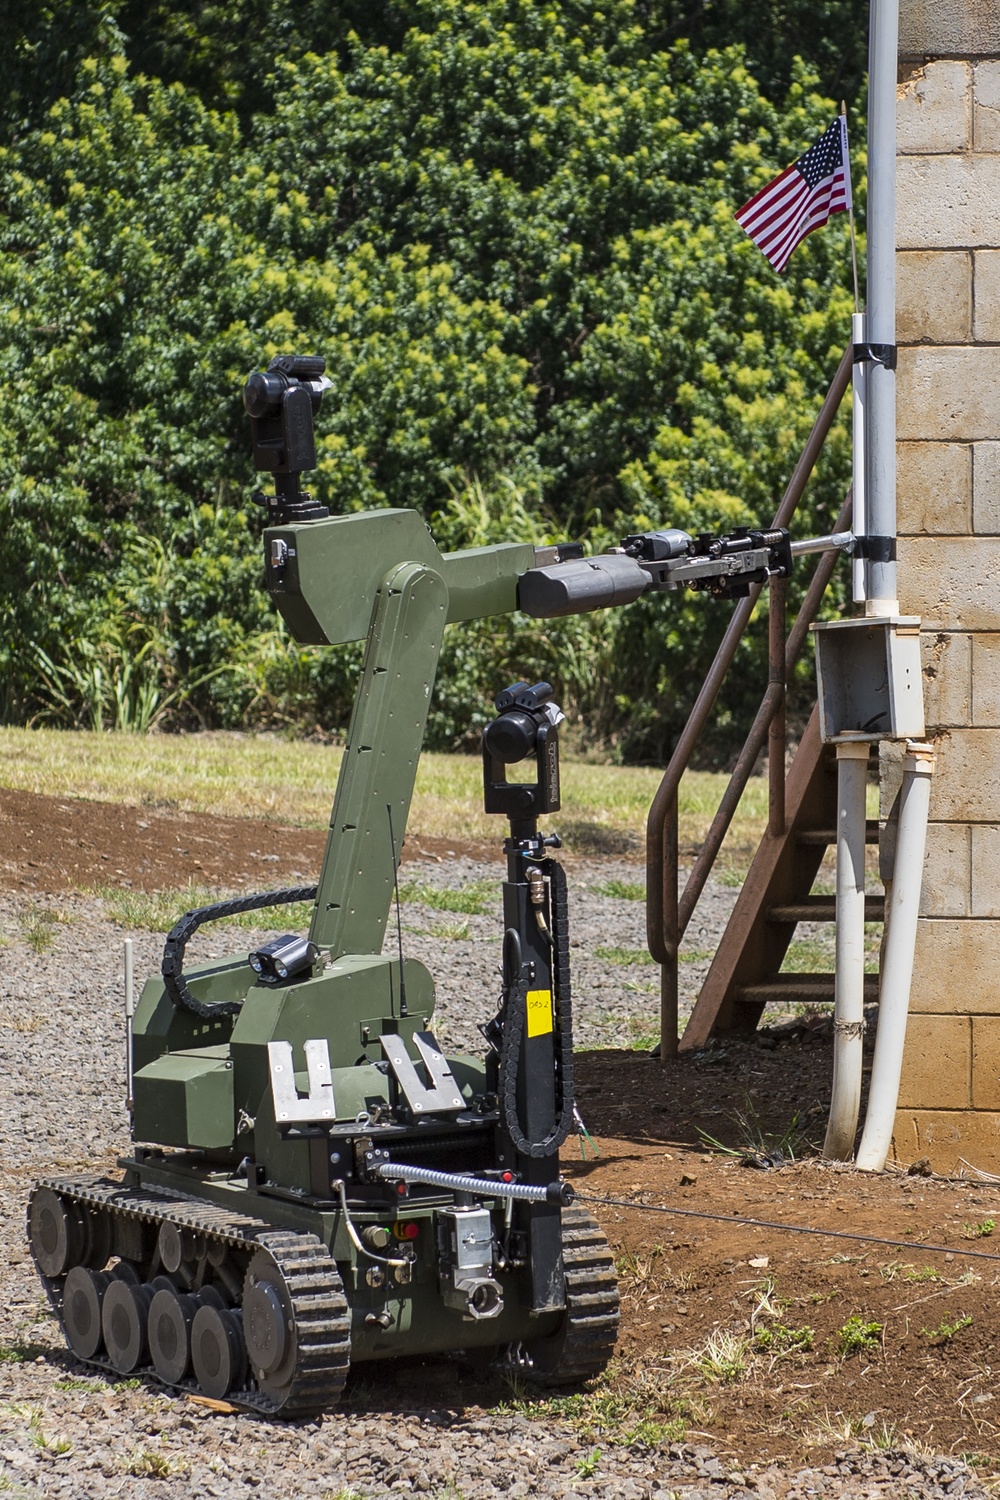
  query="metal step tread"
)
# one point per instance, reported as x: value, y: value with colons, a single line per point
x: 829, y: 835
x: 823, y: 909
x: 784, y: 987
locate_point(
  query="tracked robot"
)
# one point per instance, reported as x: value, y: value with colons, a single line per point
x: 313, y: 1183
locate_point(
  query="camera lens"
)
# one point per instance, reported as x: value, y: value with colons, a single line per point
x: 262, y: 393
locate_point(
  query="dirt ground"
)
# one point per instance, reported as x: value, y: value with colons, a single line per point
x: 771, y: 1346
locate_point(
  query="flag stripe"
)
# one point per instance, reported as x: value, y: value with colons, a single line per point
x: 801, y: 198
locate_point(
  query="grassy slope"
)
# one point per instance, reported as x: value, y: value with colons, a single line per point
x: 293, y: 781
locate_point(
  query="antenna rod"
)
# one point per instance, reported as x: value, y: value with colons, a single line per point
x: 403, y: 1011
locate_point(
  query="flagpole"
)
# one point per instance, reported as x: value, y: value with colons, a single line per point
x: 859, y: 572
x: 880, y: 455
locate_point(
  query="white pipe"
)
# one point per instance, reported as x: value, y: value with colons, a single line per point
x: 880, y: 445
x: 859, y: 522
x: 129, y: 1014
x: 897, y: 961
x: 849, y: 977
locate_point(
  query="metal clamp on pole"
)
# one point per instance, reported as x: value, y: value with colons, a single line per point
x: 876, y: 354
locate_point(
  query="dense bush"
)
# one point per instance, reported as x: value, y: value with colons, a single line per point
x: 510, y: 233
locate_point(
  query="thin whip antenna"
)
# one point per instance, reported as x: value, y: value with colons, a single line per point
x: 403, y: 1011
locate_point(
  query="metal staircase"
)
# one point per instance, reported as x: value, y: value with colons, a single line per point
x: 777, y: 894
x: 745, y: 974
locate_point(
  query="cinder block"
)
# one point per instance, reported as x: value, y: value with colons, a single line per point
x: 986, y: 681
x: 986, y: 107
x: 934, y: 109
x: 953, y: 583
x: 948, y: 28
x: 947, y: 202
x: 934, y: 488
x: 986, y: 1062
x: 948, y: 393
x: 933, y: 296
x: 986, y: 281
x: 947, y: 662
x: 947, y: 879
x: 947, y: 1138
x: 985, y: 847
x: 966, y: 783
x: 986, y: 488
x: 937, y: 1063
x: 956, y: 968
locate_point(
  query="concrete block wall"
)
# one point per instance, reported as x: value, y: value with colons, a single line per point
x: 948, y: 327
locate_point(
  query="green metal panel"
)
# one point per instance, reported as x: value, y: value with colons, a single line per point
x: 326, y: 589
x: 483, y: 580
x: 186, y: 1099
x: 380, y: 761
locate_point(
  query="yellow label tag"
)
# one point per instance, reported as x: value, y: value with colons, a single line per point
x: 539, y: 1004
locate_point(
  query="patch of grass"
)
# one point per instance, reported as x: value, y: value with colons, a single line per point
x: 586, y: 1466
x: 899, y: 1270
x: 158, y: 911
x: 622, y: 890
x: 857, y: 1336
x: 980, y: 1231
x: 450, y: 932
x: 624, y: 1407
x: 723, y: 1358
x: 472, y: 900
x: 779, y: 1339
x: 643, y: 1036
x: 947, y: 1328
x: 75, y: 1383
x: 146, y: 1463
x: 274, y: 775
x: 38, y: 927
x: 751, y: 1138
x: 809, y: 956
x: 18, y: 1353
x: 695, y: 955
x: 730, y: 875
x: 626, y: 957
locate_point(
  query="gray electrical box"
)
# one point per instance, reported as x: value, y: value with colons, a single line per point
x: 869, y: 679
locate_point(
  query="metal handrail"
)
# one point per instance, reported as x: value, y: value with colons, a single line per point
x: 667, y: 914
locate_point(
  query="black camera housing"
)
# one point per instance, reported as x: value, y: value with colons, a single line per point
x: 282, y: 402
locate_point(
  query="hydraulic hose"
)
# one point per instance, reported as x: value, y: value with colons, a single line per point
x: 483, y: 1187
x: 183, y: 931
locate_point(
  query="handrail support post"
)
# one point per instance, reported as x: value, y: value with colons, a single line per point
x: 776, y: 731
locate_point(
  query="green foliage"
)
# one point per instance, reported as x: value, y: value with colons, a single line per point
x: 777, y: 1338
x: 622, y: 890
x: 947, y: 1328
x: 858, y: 1336
x: 509, y: 230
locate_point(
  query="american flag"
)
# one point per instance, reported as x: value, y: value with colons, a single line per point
x: 779, y: 217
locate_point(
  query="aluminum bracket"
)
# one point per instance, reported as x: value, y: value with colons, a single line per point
x: 291, y: 1108
x: 442, y: 1095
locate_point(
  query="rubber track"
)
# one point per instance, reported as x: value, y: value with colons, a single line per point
x: 321, y: 1314
x: 589, y: 1329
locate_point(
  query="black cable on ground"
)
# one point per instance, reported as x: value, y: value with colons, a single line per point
x: 833, y: 1234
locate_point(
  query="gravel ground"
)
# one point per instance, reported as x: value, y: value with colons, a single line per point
x: 405, y: 1428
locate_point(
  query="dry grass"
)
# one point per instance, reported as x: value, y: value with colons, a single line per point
x: 292, y: 781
